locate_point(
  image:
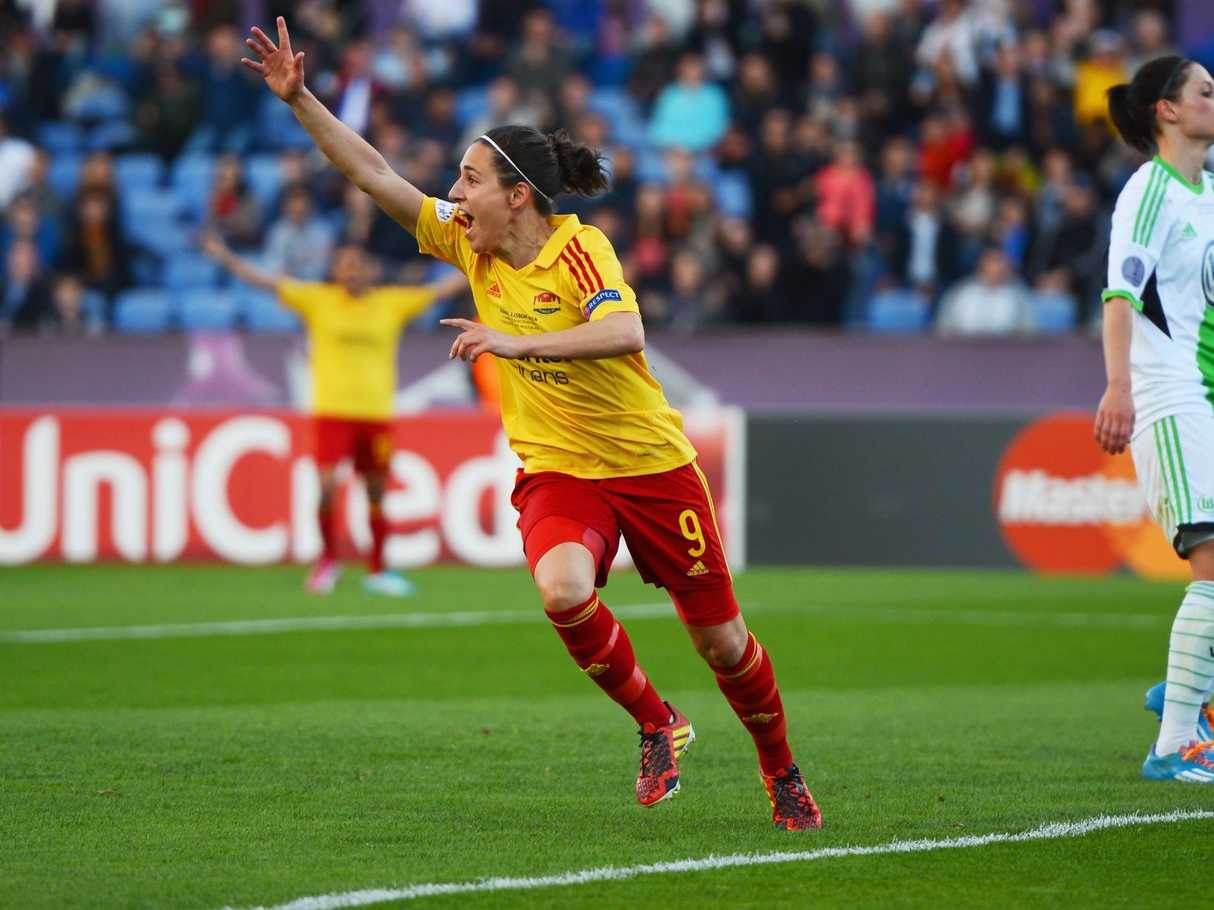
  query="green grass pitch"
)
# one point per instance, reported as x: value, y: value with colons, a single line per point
x: 247, y: 770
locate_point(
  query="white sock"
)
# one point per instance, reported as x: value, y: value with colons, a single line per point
x: 1190, y: 668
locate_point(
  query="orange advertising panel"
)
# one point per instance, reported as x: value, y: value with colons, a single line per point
x: 1063, y: 505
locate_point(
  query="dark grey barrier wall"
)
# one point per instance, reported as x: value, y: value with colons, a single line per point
x: 896, y: 491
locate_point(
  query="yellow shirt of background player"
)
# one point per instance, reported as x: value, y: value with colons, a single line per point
x: 588, y: 418
x: 353, y: 344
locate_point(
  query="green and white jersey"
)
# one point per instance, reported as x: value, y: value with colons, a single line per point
x: 1161, y: 259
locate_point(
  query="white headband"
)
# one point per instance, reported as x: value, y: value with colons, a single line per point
x: 517, y: 168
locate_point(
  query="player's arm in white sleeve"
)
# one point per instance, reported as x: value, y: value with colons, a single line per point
x: 1138, y: 231
x: 1140, y: 226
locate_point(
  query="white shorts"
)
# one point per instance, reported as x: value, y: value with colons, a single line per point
x: 1174, y: 460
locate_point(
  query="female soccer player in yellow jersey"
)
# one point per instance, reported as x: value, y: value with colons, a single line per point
x: 603, y: 453
x: 353, y: 330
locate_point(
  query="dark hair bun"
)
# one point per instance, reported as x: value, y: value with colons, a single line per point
x: 581, y: 166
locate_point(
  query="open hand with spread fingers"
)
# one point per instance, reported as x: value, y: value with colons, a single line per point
x: 477, y: 339
x: 279, y: 66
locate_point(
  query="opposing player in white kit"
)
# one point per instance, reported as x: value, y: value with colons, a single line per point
x: 1159, y: 359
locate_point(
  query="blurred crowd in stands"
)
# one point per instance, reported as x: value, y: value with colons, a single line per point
x: 889, y: 165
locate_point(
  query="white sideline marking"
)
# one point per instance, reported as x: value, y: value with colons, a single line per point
x: 1051, y: 831
x: 310, y: 623
x: 513, y: 617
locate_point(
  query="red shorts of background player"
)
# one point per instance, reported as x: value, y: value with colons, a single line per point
x: 367, y: 442
x: 668, y: 520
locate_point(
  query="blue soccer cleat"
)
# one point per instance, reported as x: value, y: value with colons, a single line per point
x: 1193, y: 764
x: 388, y: 583
x: 1205, y: 718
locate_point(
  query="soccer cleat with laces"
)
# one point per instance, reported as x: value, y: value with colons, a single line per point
x: 1194, y: 763
x: 1205, y: 717
x: 661, y: 748
x: 792, y: 805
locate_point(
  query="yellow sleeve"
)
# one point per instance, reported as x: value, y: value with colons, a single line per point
x: 300, y: 296
x: 407, y: 302
x: 440, y: 233
x: 594, y: 277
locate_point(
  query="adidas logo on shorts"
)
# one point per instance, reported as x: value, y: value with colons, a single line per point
x: 698, y: 569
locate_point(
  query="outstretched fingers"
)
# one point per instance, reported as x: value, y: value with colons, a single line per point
x: 284, y: 38
x: 260, y: 42
x: 258, y: 68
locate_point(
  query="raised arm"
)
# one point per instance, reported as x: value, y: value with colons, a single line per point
x: 349, y: 152
x: 214, y: 247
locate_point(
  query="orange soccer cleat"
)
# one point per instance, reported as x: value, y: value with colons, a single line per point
x: 661, y: 748
x: 792, y: 805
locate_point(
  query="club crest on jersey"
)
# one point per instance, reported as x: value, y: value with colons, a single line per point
x: 1207, y: 273
x: 600, y: 298
x: 1133, y: 270
x: 444, y: 211
x: 546, y: 303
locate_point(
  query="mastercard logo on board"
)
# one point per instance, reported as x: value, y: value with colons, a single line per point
x: 1065, y: 506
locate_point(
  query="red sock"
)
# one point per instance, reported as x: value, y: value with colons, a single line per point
x: 379, y: 533
x: 328, y: 534
x: 600, y: 646
x: 750, y: 688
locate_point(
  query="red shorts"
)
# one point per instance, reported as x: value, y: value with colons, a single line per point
x: 368, y: 442
x: 668, y: 520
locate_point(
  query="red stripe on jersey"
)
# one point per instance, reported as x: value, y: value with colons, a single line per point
x: 567, y: 258
x: 590, y: 262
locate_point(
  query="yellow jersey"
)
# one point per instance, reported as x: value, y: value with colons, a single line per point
x: 353, y: 344
x: 589, y: 418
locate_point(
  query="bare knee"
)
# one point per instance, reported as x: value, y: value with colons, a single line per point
x: 723, y: 645
x: 561, y: 591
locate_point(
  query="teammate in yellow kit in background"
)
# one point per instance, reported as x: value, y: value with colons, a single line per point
x: 353, y: 330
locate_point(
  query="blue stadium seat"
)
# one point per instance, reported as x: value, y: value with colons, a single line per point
x: 898, y: 312
x: 63, y: 174
x: 152, y: 219
x: 277, y: 128
x: 111, y: 135
x: 264, y: 175
x: 209, y: 310
x: 617, y: 106
x: 263, y: 313
x: 191, y: 183
x: 471, y: 103
x: 188, y: 271
x: 1053, y: 313
x: 93, y: 305
x: 143, y: 311
x: 139, y: 171
x: 651, y: 166
x: 104, y: 101
x: 732, y: 192
x: 59, y: 136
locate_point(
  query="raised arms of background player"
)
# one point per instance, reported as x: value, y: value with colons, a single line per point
x: 252, y: 274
